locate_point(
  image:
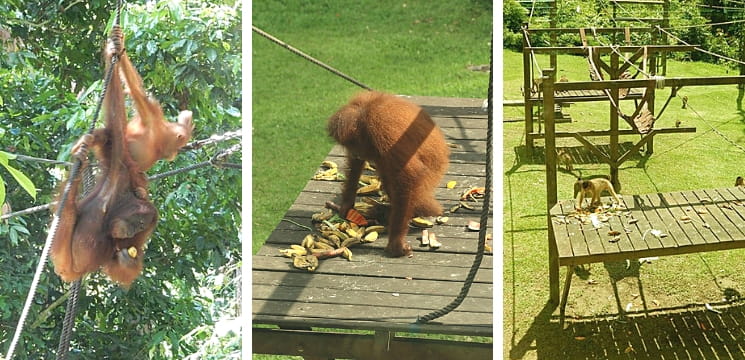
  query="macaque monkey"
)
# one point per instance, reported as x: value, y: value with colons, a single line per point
x: 739, y: 181
x: 409, y: 153
x: 149, y: 136
x: 110, y: 226
x: 594, y: 187
x: 564, y: 158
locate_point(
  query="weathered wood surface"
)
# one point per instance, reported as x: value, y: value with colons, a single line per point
x: 373, y: 291
x: 717, y: 222
x: 586, y: 95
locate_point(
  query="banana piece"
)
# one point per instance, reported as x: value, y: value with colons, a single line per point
x: 421, y: 222
x: 370, y: 237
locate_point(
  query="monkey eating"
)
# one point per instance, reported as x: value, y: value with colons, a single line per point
x: 109, y: 227
x: 595, y: 187
x: 408, y: 150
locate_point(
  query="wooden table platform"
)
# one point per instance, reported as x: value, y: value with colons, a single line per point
x: 379, y: 295
x: 717, y: 222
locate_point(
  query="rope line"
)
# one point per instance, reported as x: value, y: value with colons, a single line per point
x: 716, y: 131
x: 483, y: 221
x: 309, y: 58
x: 214, y: 163
x: 681, y: 40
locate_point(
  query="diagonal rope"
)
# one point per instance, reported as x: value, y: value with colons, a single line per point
x: 483, y: 221
x: 309, y: 58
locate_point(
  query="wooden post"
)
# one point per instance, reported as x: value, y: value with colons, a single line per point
x: 527, y: 85
x: 614, y: 123
x: 665, y: 24
x: 650, y: 107
x: 551, y: 191
x: 552, y: 36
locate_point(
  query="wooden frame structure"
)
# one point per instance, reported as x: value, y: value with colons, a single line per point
x: 727, y: 236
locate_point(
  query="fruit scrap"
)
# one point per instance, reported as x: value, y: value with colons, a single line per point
x: 306, y: 262
x: 421, y: 222
x: 451, y: 184
x: 433, y: 243
x: 355, y: 217
x: 132, y: 252
x: 425, y: 238
x: 328, y: 174
x: 372, y: 188
x: 473, y: 193
x: 323, y: 215
x: 454, y: 208
x: 370, y: 237
x: 329, y: 164
x: 474, y: 225
x: 466, y: 206
x: 441, y: 220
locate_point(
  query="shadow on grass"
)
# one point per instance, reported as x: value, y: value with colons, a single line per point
x: 685, y: 332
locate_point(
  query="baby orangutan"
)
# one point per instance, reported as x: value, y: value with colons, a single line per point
x: 149, y: 136
x: 594, y: 187
x: 408, y: 150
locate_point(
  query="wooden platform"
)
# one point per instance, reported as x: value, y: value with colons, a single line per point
x: 688, y: 222
x: 379, y: 295
x: 587, y: 95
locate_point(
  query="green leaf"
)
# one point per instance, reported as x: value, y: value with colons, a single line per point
x: 22, y: 180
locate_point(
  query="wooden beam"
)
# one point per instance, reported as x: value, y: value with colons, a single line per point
x: 608, y: 49
x: 596, y: 30
x: 594, y: 133
x: 669, y: 82
x: 310, y: 344
x: 644, y: 2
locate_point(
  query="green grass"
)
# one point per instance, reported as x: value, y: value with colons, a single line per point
x: 681, y: 161
x: 421, y: 48
x: 413, y: 47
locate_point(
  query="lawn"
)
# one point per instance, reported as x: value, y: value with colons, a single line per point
x: 705, y: 159
x: 403, y: 47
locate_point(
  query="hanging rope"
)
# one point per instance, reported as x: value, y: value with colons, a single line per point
x: 309, y: 58
x: 483, y: 221
x: 55, y: 221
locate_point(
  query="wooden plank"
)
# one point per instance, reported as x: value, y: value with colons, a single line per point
x: 335, y: 282
x: 396, y: 316
x: 371, y: 299
x: 646, y: 224
x: 563, y: 230
x: 440, y: 326
x: 677, y: 205
x: 734, y: 204
x: 365, y: 252
x: 328, y: 345
x: 674, y: 227
x: 703, y: 218
x: 399, y: 267
x: 655, y: 216
x: 717, y: 213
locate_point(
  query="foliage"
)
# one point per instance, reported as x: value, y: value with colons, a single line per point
x: 50, y: 71
x: 688, y: 21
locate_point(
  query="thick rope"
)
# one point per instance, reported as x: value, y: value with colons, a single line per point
x: 55, y: 221
x: 483, y: 221
x: 309, y: 58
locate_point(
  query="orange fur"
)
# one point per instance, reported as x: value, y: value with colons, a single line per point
x: 409, y: 153
x: 98, y: 230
